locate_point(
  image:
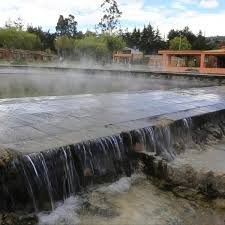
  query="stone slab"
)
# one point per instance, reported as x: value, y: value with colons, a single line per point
x: 41, y: 123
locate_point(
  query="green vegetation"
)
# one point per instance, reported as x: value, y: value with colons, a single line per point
x: 18, y: 39
x: 64, y: 43
x: 91, y: 45
x: 147, y: 40
x: 179, y: 43
x: 198, y: 42
x: 150, y: 41
x: 47, y: 39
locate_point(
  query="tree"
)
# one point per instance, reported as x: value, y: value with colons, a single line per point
x: 64, y: 45
x: 201, y: 43
x: 110, y: 19
x: 18, y: 39
x: 127, y: 38
x: 92, y: 47
x: 136, y: 38
x: 148, y: 40
x: 113, y: 42
x: 179, y: 43
x: 159, y: 43
x: 47, y: 39
x: 186, y: 32
x: 216, y: 42
x: 17, y: 24
x: 191, y: 37
x: 173, y: 33
x: 66, y: 26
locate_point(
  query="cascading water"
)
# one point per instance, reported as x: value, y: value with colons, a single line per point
x: 57, y: 174
x: 42, y: 181
x: 162, y: 141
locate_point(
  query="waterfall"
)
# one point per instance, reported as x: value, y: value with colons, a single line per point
x: 56, y: 174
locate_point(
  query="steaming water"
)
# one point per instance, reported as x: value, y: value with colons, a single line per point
x: 43, y: 83
x: 131, y: 201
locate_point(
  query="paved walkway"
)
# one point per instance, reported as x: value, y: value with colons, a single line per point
x: 35, y: 124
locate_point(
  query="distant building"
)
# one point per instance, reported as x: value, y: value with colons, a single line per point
x: 128, y: 56
x: 18, y: 54
x: 212, y: 61
x: 153, y: 60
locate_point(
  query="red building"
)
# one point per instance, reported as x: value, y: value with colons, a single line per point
x: 18, y: 54
x: 128, y: 56
x: 212, y: 61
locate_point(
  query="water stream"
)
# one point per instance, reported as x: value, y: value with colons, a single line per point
x: 131, y: 201
x: 100, y: 181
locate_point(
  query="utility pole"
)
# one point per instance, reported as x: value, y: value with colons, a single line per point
x: 178, y: 63
x: 180, y: 42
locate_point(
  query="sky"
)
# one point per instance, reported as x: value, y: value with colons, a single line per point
x: 205, y: 15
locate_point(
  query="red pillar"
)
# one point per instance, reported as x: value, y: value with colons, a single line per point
x: 169, y: 58
x: 202, y: 62
x: 166, y: 62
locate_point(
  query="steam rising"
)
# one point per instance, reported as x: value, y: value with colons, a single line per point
x: 24, y: 82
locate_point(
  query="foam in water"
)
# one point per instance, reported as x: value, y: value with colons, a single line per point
x: 121, y: 186
x: 64, y: 214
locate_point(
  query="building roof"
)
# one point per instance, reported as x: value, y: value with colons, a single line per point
x: 181, y: 52
x: 216, y: 51
x: 193, y: 52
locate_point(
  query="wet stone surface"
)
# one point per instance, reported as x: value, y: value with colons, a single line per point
x: 40, y: 123
x: 132, y: 200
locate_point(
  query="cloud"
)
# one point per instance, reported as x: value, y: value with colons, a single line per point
x: 197, y: 3
x: 46, y: 12
x: 178, y: 5
x: 209, y: 3
x: 176, y: 14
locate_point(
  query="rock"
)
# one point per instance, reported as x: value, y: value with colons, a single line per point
x: 187, y: 193
x: 99, y: 211
x: 208, y: 183
x: 10, y: 219
x: 30, y: 219
x: 179, y: 147
x: 98, y: 205
x: 6, y: 156
x: 219, y: 203
x: 16, y: 219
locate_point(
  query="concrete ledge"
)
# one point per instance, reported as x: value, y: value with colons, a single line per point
x: 36, y: 124
x: 102, y: 138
